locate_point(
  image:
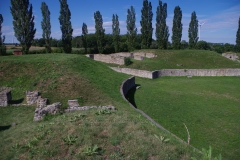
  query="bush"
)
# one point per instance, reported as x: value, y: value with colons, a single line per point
x: 57, y: 50
x: 218, y: 48
x: 203, y: 45
x: 41, y: 51
x: 3, y: 50
x: 127, y: 61
x: 82, y: 51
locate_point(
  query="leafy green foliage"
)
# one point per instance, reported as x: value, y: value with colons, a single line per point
x: 127, y: 61
x: 146, y: 24
x: 116, y: 32
x: 100, y: 31
x: 66, y: 26
x: 177, y: 28
x: 207, y: 155
x: 23, y: 23
x: 131, y: 28
x: 2, y: 38
x: 91, y: 150
x: 46, y: 26
x: 203, y: 45
x: 162, y: 32
x: 70, y: 140
x: 103, y: 111
x: 238, y: 37
x: 84, y: 36
x: 193, y: 31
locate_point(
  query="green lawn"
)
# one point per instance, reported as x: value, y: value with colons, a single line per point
x: 123, y: 134
x: 189, y: 59
x: 209, y: 106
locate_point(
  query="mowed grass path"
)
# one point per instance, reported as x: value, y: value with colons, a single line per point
x: 209, y: 106
x: 187, y: 59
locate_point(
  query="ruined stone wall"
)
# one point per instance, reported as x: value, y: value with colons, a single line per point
x: 5, y: 96
x: 107, y: 58
x: 147, y: 55
x: 199, y: 72
x: 178, y: 72
x: 134, y: 72
x: 127, y: 85
x: 232, y: 56
x: 123, y: 54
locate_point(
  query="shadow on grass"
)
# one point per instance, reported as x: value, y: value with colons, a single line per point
x: 2, y: 128
x: 18, y: 101
x: 130, y: 95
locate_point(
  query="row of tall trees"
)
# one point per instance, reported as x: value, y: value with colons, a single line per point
x: 23, y: 22
x: 2, y: 38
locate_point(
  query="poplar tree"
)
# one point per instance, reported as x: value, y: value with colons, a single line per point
x: 84, y: 36
x: 193, y: 31
x: 146, y: 24
x: 162, y: 32
x: 100, y: 31
x: 46, y: 26
x: 23, y: 23
x: 116, y: 32
x: 66, y: 26
x: 177, y: 28
x: 238, y: 37
x: 131, y: 28
x: 2, y: 38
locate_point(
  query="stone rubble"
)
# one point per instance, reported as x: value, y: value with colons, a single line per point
x: 32, y: 97
x: 5, y: 96
x: 50, y: 109
x: 70, y: 109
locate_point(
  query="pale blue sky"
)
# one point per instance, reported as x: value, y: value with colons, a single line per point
x: 220, y: 16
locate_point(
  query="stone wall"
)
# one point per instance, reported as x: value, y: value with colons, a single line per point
x: 107, y: 58
x: 199, y: 72
x: 5, y: 96
x: 232, y: 56
x: 134, y: 72
x: 118, y: 58
x: 178, y: 72
x: 127, y: 85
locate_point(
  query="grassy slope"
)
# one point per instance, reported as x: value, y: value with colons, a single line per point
x: 190, y: 59
x: 209, y: 106
x: 59, y: 77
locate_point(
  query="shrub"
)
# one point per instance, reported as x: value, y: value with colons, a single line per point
x: 57, y: 50
x: 127, y: 61
x: 203, y: 45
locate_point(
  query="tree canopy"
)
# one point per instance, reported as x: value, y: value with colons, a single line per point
x: 23, y: 23
x: 193, y: 31
x: 177, y: 28
x: 146, y: 24
x: 131, y: 28
x: 100, y: 31
x: 66, y: 26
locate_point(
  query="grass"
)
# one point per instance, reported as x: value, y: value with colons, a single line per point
x: 209, y: 106
x: 189, y: 59
x: 123, y: 134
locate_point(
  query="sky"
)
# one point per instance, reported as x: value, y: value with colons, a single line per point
x: 220, y: 17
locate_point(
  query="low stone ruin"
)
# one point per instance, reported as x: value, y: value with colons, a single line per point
x: 5, y: 96
x: 31, y: 97
x: 50, y: 109
x: 70, y: 109
x: 41, y: 102
x: 232, y: 56
x: 74, y: 106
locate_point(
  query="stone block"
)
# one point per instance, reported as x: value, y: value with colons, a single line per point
x: 50, y: 109
x: 73, y: 103
x: 5, y: 96
x: 31, y: 97
x: 41, y: 102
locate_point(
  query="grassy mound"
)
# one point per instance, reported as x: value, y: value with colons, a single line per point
x: 122, y: 134
x: 183, y: 59
x: 209, y: 106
